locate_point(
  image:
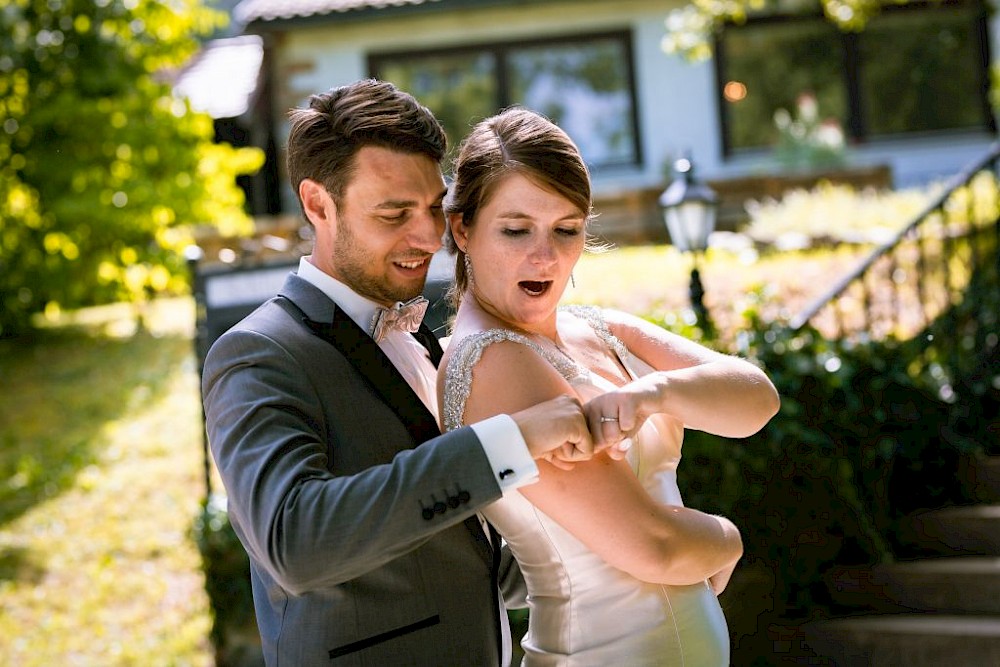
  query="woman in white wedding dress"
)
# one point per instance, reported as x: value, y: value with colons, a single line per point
x: 618, y: 571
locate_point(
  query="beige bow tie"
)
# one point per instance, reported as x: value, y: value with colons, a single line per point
x: 404, y: 316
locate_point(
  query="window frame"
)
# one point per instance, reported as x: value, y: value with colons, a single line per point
x: 500, y: 50
x: 855, y: 130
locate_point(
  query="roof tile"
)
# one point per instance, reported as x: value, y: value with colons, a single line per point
x: 271, y: 10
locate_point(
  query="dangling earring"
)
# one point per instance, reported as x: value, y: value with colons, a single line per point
x: 468, y: 268
x: 572, y: 279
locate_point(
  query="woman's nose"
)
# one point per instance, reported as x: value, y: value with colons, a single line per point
x: 543, y: 252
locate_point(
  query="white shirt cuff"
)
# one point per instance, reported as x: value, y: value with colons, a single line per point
x: 507, y: 452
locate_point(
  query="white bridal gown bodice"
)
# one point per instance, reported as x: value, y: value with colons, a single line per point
x: 582, y: 610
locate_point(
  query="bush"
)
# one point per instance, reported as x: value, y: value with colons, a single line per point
x: 827, y: 483
x: 103, y: 172
x: 227, y: 582
x: 830, y: 213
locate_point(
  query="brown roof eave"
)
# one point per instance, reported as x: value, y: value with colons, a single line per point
x: 370, y: 13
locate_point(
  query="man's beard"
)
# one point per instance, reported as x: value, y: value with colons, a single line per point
x: 354, y: 263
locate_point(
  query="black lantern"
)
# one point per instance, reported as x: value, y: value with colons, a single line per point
x: 689, y: 210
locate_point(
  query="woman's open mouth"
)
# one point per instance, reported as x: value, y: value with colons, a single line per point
x: 535, y: 287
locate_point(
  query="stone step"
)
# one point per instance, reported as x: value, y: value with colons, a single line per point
x: 973, y: 529
x: 906, y: 640
x: 982, y: 479
x: 956, y: 585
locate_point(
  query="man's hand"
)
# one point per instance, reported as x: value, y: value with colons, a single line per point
x: 556, y: 431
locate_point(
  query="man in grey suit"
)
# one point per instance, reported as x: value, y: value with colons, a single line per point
x: 359, y: 516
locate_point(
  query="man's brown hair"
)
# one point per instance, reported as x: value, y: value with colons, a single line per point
x: 325, y: 137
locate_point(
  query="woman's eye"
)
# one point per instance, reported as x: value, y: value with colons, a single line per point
x: 515, y: 232
x: 568, y: 231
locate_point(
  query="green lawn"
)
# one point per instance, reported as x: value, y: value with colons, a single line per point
x: 101, y: 465
x: 101, y: 461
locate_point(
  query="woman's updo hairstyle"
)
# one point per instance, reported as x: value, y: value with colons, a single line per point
x: 520, y: 141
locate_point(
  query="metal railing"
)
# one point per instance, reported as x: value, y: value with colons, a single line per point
x: 942, y: 258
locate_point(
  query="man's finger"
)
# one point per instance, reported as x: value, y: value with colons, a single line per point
x: 559, y: 463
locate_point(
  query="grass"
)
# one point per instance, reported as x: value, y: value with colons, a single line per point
x: 654, y: 280
x: 101, y: 460
x: 102, y: 474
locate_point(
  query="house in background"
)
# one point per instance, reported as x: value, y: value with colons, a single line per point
x: 910, y: 94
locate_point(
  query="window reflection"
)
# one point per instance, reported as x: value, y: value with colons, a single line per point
x: 583, y: 84
x: 914, y: 69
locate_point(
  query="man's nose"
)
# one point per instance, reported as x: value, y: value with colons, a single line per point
x: 427, y: 231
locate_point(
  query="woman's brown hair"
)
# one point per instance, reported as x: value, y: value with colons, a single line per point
x: 516, y: 140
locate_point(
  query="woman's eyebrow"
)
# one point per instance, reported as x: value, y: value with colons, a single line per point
x: 516, y: 214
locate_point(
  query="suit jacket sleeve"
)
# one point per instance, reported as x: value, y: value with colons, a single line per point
x: 323, y: 482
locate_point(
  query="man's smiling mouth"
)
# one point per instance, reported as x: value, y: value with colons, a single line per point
x: 412, y: 264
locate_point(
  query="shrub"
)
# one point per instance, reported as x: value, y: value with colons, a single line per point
x: 827, y: 483
x: 227, y: 582
x: 830, y: 213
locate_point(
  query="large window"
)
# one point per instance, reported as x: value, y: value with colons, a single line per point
x: 584, y: 84
x: 916, y: 68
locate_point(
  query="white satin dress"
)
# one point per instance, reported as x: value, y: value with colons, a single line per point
x: 584, y: 612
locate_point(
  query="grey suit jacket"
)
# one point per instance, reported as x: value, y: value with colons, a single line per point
x: 364, y: 548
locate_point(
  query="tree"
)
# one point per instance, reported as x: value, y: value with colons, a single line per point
x: 690, y: 29
x: 103, y: 172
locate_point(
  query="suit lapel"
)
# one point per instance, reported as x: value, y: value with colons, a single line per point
x: 372, y: 364
x: 430, y: 341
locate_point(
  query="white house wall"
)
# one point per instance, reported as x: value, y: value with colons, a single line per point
x: 676, y: 100
x: 339, y: 55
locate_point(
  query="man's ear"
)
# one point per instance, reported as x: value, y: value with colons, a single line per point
x: 459, y: 231
x: 317, y: 202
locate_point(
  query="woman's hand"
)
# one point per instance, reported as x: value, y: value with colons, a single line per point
x: 720, y: 579
x: 616, y: 416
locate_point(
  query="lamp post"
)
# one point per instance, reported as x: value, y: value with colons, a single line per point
x: 689, y: 209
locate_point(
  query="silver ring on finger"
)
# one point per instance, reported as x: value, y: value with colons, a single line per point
x: 608, y: 419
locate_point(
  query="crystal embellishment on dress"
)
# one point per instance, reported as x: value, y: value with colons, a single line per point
x: 593, y: 316
x: 458, y: 375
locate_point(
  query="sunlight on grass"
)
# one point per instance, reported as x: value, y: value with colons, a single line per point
x: 97, y: 566
x: 654, y: 280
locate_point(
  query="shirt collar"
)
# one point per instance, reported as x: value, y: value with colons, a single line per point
x: 357, y: 307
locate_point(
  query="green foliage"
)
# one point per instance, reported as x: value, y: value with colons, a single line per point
x: 806, y: 141
x: 691, y: 27
x: 833, y: 213
x: 227, y: 574
x: 102, y: 170
x: 827, y: 482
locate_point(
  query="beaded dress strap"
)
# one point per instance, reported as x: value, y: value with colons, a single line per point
x: 594, y: 316
x: 458, y: 374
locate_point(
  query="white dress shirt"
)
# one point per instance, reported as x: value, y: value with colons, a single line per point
x: 501, y: 439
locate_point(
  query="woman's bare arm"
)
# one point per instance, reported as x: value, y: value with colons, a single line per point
x: 600, y: 501
x: 705, y: 390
